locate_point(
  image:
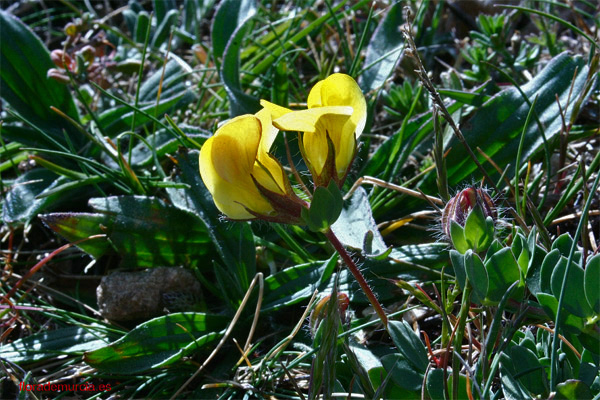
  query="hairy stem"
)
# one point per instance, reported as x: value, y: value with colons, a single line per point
x: 357, y: 275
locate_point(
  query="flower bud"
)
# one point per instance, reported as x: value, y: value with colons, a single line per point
x: 320, y: 311
x: 57, y: 75
x: 71, y: 29
x: 88, y: 53
x: 62, y: 60
x: 468, y: 220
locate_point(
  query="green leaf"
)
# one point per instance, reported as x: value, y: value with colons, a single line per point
x: 325, y: 208
x: 573, y: 390
x: 548, y: 265
x: 77, y: 226
x: 592, y: 279
x: 21, y: 204
x: 460, y: 272
x: 363, y: 360
x: 403, y: 373
x: 409, y: 344
x: 563, y: 243
x: 529, y: 371
x: 164, y: 29
x: 479, y: 234
x: 435, y: 384
x: 512, y: 389
x: 383, y: 50
x: 162, y: 7
x: 356, y: 227
x: 230, y: 15
x: 457, y: 235
x: 574, y: 300
x: 470, y: 98
x: 571, y: 322
x: 141, y: 26
x: 503, y: 271
x: 477, y: 276
x: 73, y: 340
x: 297, y: 283
x: 158, y: 342
x: 24, y: 62
x: 496, y: 125
x: 229, y: 26
x: 145, y: 231
x: 534, y: 269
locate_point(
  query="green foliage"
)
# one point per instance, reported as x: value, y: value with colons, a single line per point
x: 325, y: 208
x: 24, y: 85
x: 108, y: 144
x: 157, y: 343
x: 145, y: 231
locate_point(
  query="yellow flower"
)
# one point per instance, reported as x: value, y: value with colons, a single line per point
x: 246, y: 181
x: 336, y: 114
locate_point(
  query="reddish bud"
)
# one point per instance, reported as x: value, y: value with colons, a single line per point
x: 458, y: 208
x: 57, y: 75
x: 62, y: 60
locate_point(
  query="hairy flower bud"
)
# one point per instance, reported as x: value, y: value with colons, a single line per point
x: 468, y: 220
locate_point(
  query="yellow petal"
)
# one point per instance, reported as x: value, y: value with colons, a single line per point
x: 341, y: 90
x: 220, y: 189
x: 314, y: 96
x: 307, y: 120
x: 275, y: 110
x: 226, y: 163
x: 315, y: 149
x: 268, y: 133
x: 267, y: 170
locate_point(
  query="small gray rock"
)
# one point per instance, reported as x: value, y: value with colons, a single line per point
x: 126, y: 296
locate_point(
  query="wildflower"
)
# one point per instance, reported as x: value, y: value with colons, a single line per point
x: 247, y: 182
x: 335, y: 118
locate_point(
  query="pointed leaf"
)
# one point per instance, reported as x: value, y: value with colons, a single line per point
x: 409, y: 344
x: 499, y: 121
x: 24, y: 62
x: 158, y: 342
x: 144, y: 230
x: 72, y: 340
x: 22, y: 205
x: 384, y: 50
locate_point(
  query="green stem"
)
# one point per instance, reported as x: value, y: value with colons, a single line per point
x: 558, y: 324
x: 458, y: 338
x: 357, y: 275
